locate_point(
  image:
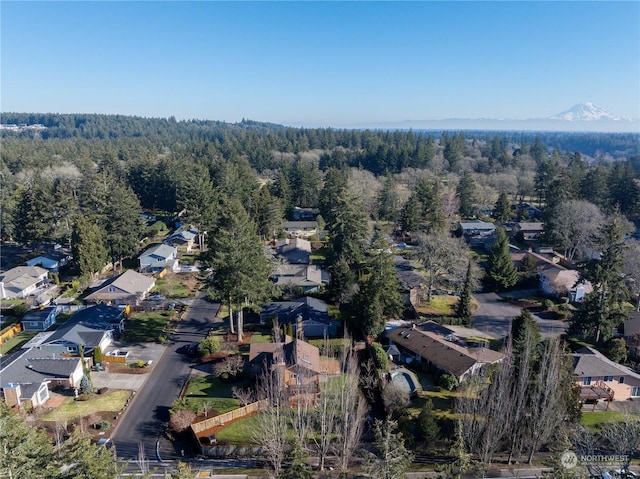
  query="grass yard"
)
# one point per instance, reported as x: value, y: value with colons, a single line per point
x: 177, y: 286
x: 71, y: 410
x: 240, y: 431
x: 146, y: 327
x: 17, y: 341
x: 210, y: 390
x: 439, y: 306
x: 594, y: 420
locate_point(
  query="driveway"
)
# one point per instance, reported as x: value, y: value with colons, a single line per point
x: 146, y: 418
x: 495, y: 314
x: 145, y: 352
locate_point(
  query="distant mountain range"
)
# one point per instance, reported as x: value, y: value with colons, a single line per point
x: 585, y: 117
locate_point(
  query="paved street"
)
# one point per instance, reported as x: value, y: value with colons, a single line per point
x: 495, y: 314
x: 146, y: 417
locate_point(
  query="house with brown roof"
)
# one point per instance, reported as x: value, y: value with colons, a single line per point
x: 443, y: 355
x: 297, y: 362
x: 601, y: 378
x: 127, y: 288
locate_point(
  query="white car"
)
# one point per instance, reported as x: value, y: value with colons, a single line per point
x: 157, y: 297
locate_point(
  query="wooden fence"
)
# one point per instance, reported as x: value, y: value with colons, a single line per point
x: 10, y: 333
x: 114, y: 359
x: 212, y: 422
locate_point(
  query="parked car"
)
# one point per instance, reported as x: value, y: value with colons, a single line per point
x: 623, y: 474
x: 157, y: 297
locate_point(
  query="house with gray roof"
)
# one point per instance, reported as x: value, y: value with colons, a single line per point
x: 294, y: 250
x: 21, y: 281
x: 127, y: 288
x: 39, y: 319
x: 308, y: 278
x: 601, y: 378
x: 90, y: 328
x: 312, y: 311
x: 159, y: 257
x: 28, y: 375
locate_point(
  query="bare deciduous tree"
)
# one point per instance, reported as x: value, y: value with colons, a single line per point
x: 141, y: 459
x: 231, y: 365
x: 181, y: 419
x: 243, y: 395
x: 574, y: 225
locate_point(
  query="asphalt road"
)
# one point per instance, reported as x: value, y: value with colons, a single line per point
x: 148, y: 414
x: 495, y: 314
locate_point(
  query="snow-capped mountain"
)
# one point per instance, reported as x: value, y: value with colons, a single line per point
x: 585, y: 112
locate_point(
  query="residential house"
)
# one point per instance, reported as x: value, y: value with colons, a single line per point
x: 90, y: 328
x: 183, y: 238
x: 53, y: 260
x: 411, y: 286
x: 307, y: 277
x: 527, y: 210
x: 530, y: 231
x: 443, y: 355
x: 39, y: 319
x: 476, y: 228
x: 305, y: 214
x: 300, y: 229
x: 127, y: 288
x: 28, y: 375
x: 601, y: 378
x: 294, y: 250
x: 159, y: 257
x: 558, y: 281
x: 297, y: 362
x: 22, y: 281
x: 631, y: 334
x: 311, y: 311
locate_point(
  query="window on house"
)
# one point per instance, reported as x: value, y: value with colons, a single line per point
x: 586, y: 381
x: 635, y: 391
x: 621, y: 381
x: 607, y: 378
x: 33, y: 323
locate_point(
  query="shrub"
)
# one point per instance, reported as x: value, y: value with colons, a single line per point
x: 448, y: 382
x: 97, y: 355
x: 161, y: 339
x: 547, y: 304
x: 83, y: 397
x: 141, y: 364
x: 379, y: 356
x: 104, y: 425
x: 209, y: 346
x: 85, y: 385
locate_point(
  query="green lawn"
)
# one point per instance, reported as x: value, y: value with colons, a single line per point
x: 16, y: 341
x: 173, y: 288
x: 70, y: 409
x: 146, y: 327
x: 439, y: 305
x: 240, y: 431
x: 213, y: 391
x: 594, y: 420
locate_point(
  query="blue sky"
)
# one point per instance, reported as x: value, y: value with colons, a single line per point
x: 320, y: 63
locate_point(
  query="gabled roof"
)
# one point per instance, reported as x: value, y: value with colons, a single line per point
x: 294, y: 250
x: 410, y: 279
x: 446, y: 356
x: 35, y: 366
x: 311, y: 309
x: 298, y: 275
x: 86, y: 327
x: 299, y: 224
x: 477, y: 225
x: 588, y: 362
x: 296, y: 353
x: 160, y: 251
x: 528, y: 226
x: 129, y: 283
x: 19, y: 273
x: 38, y: 314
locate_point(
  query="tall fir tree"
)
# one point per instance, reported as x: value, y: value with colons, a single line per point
x: 463, y: 306
x: 502, y: 209
x: 502, y: 272
x: 467, y: 192
x: 87, y: 245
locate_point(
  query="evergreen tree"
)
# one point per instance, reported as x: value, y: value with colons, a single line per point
x: 524, y: 329
x: 427, y: 424
x: 236, y: 255
x: 389, y: 458
x: 602, y: 311
x: 502, y: 209
x: 410, y: 214
x: 87, y: 245
x: 467, y: 192
x: 378, y: 298
x: 33, y: 219
x: 502, y: 273
x: 335, y: 186
x: 463, y: 306
x: 388, y: 200
x: 267, y: 214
